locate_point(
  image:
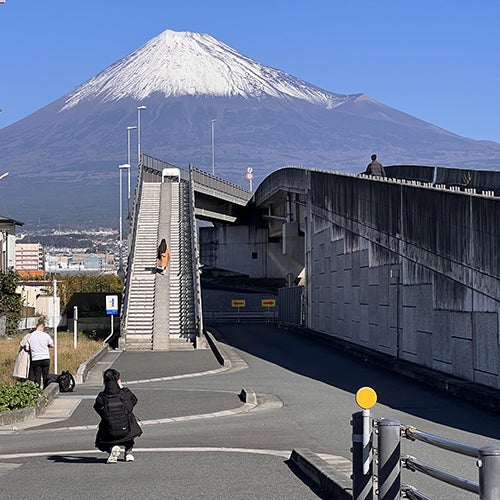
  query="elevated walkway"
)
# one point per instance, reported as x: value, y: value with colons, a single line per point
x: 161, y: 312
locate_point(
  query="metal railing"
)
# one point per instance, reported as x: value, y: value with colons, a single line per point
x: 131, y: 248
x: 240, y: 315
x: 202, y: 179
x: 195, y: 256
x: 390, y: 461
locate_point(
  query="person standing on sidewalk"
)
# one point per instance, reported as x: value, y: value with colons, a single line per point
x: 22, y: 366
x: 118, y: 427
x: 38, y: 345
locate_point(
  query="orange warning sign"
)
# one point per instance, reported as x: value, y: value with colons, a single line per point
x: 238, y: 303
x: 268, y: 302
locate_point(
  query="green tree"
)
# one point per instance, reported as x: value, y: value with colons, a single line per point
x: 10, y: 301
x: 67, y: 285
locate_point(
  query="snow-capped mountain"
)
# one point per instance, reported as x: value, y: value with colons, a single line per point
x: 67, y: 153
x: 191, y: 64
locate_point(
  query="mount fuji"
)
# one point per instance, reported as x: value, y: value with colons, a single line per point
x: 63, y: 159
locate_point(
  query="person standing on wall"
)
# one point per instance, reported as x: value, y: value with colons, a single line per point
x: 162, y: 257
x: 38, y: 345
x: 375, y: 168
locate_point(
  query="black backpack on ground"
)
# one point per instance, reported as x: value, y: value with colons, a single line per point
x: 52, y: 378
x: 66, y: 382
x: 116, y: 417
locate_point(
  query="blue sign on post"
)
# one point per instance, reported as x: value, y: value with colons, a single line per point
x: 112, y: 304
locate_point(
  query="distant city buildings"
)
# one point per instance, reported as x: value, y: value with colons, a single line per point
x: 66, y: 252
x: 80, y: 262
x: 29, y: 257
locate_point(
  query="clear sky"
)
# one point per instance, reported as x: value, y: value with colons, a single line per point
x: 438, y: 60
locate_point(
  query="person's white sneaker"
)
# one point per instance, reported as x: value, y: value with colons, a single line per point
x: 129, y: 457
x: 113, y: 456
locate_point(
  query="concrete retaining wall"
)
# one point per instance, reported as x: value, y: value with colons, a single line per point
x: 408, y: 271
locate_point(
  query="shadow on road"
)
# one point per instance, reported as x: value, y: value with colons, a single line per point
x: 324, y: 363
x: 69, y: 459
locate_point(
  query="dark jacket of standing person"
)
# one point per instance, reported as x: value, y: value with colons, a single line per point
x: 113, y: 386
x: 375, y: 168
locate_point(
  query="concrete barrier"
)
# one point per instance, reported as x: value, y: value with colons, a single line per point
x: 324, y: 476
x: 30, y: 412
x: 87, y: 365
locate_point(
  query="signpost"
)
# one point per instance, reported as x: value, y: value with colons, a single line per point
x: 362, y: 443
x: 238, y: 303
x: 112, y: 310
x: 55, y: 312
x: 249, y: 176
x: 75, y: 328
x: 268, y: 303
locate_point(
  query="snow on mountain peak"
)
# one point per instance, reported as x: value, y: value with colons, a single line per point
x: 185, y: 63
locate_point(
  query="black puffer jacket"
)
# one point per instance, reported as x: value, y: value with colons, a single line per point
x: 129, y: 398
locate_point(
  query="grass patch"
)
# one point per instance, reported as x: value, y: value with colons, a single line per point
x: 68, y: 358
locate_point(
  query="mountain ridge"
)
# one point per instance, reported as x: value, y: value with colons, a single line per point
x: 195, y: 64
x: 68, y: 152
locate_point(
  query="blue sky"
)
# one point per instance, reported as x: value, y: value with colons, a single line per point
x: 436, y: 60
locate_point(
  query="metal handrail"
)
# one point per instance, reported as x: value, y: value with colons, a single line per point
x: 446, y: 444
x: 412, y: 493
x: 195, y: 256
x: 390, y: 432
x: 131, y: 246
x: 414, y: 464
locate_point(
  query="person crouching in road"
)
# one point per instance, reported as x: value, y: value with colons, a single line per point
x: 118, y: 426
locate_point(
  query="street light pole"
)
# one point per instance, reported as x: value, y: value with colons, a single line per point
x: 213, y: 145
x: 139, y: 109
x: 120, y: 244
x: 129, y: 129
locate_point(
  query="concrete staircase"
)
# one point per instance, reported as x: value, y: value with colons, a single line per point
x: 142, y: 276
x: 171, y: 320
x: 160, y: 309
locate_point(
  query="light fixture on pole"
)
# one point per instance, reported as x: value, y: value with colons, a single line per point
x: 121, y: 272
x: 4, y: 175
x: 129, y: 129
x: 213, y: 145
x: 139, y: 109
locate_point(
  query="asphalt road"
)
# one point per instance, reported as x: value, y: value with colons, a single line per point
x: 201, y: 441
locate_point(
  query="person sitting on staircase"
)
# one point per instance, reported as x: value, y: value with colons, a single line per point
x: 162, y: 257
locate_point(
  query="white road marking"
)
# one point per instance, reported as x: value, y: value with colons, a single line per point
x: 209, y: 449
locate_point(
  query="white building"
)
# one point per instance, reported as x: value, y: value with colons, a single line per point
x: 29, y: 256
x: 8, y: 243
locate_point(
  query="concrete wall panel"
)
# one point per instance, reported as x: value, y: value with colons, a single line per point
x: 486, y: 343
x: 387, y: 257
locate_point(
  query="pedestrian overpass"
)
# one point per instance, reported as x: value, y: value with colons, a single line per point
x: 164, y: 312
x: 407, y: 266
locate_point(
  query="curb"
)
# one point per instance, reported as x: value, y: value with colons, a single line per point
x: 323, y: 475
x: 30, y: 412
x: 86, y: 366
x: 218, y: 353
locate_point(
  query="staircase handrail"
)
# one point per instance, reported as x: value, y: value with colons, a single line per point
x: 131, y: 244
x: 195, y: 253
